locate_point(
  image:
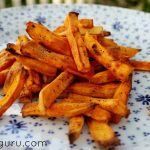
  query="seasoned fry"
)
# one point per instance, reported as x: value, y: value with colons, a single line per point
x: 22, y: 40
x: 6, y: 61
x: 97, y: 30
x: 122, y: 93
x: 31, y: 109
x: 103, y: 77
x: 102, y: 133
x: 3, y: 75
x: 76, y: 43
x: 3, y: 52
x: 108, y: 104
x: 50, y: 92
x: 79, y: 111
x: 13, y: 48
x: 140, y: 65
x: 89, y: 89
x: 75, y: 127
x: 99, y: 114
x: 120, y: 70
x: 64, y: 109
x: 15, y: 68
x: 37, y: 65
x: 49, y: 39
x: 13, y: 91
x: 86, y: 23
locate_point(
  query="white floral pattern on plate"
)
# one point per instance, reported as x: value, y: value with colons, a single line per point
x: 130, y: 28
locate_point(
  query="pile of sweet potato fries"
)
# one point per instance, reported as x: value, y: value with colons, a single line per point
x: 89, y: 74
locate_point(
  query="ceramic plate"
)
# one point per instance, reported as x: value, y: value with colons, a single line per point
x: 129, y: 28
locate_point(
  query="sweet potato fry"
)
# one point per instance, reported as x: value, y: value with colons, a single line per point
x: 120, y: 70
x: 13, y: 48
x: 3, y: 75
x: 22, y: 40
x: 36, y: 65
x: 86, y: 75
x: 57, y: 109
x: 15, y: 68
x: 49, y: 39
x: 99, y: 114
x: 122, y: 52
x: 3, y: 52
x: 13, y: 91
x: 50, y: 92
x: 86, y: 23
x: 66, y: 109
x: 93, y: 31
x: 102, y: 133
x: 6, y: 61
x: 75, y: 127
x: 122, y: 93
x: 108, y: 104
x: 103, y: 77
x: 116, y: 50
x: 76, y: 43
x: 106, y: 42
x: 89, y: 89
x: 31, y: 109
x: 140, y: 65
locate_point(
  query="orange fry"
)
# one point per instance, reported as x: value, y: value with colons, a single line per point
x: 120, y: 70
x: 49, y: 39
x: 50, y: 92
x: 140, y: 65
x: 103, y: 77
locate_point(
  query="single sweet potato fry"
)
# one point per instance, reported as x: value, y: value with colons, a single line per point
x: 50, y: 92
x: 63, y: 109
x: 103, y: 77
x: 89, y: 89
x: 86, y: 23
x: 15, y: 68
x: 75, y: 127
x: 140, y: 65
x: 31, y: 109
x: 107, y: 104
x: 99, y: 114
x: 37, y: 65
x: 66, y: 109
x: 120, y: 70
x: 52, y: 41
x: 3, y: 75
x: 6, y: 61
x: 122, y: 93
x: 13, y: 91
x: 102, y: 133
x: 22, y: 40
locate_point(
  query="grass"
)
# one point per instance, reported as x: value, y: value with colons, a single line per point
x: 134, y: 4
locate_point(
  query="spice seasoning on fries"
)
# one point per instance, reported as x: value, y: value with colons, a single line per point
x: 90, y: 74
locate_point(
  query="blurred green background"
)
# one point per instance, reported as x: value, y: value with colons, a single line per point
x: 133, y: 4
